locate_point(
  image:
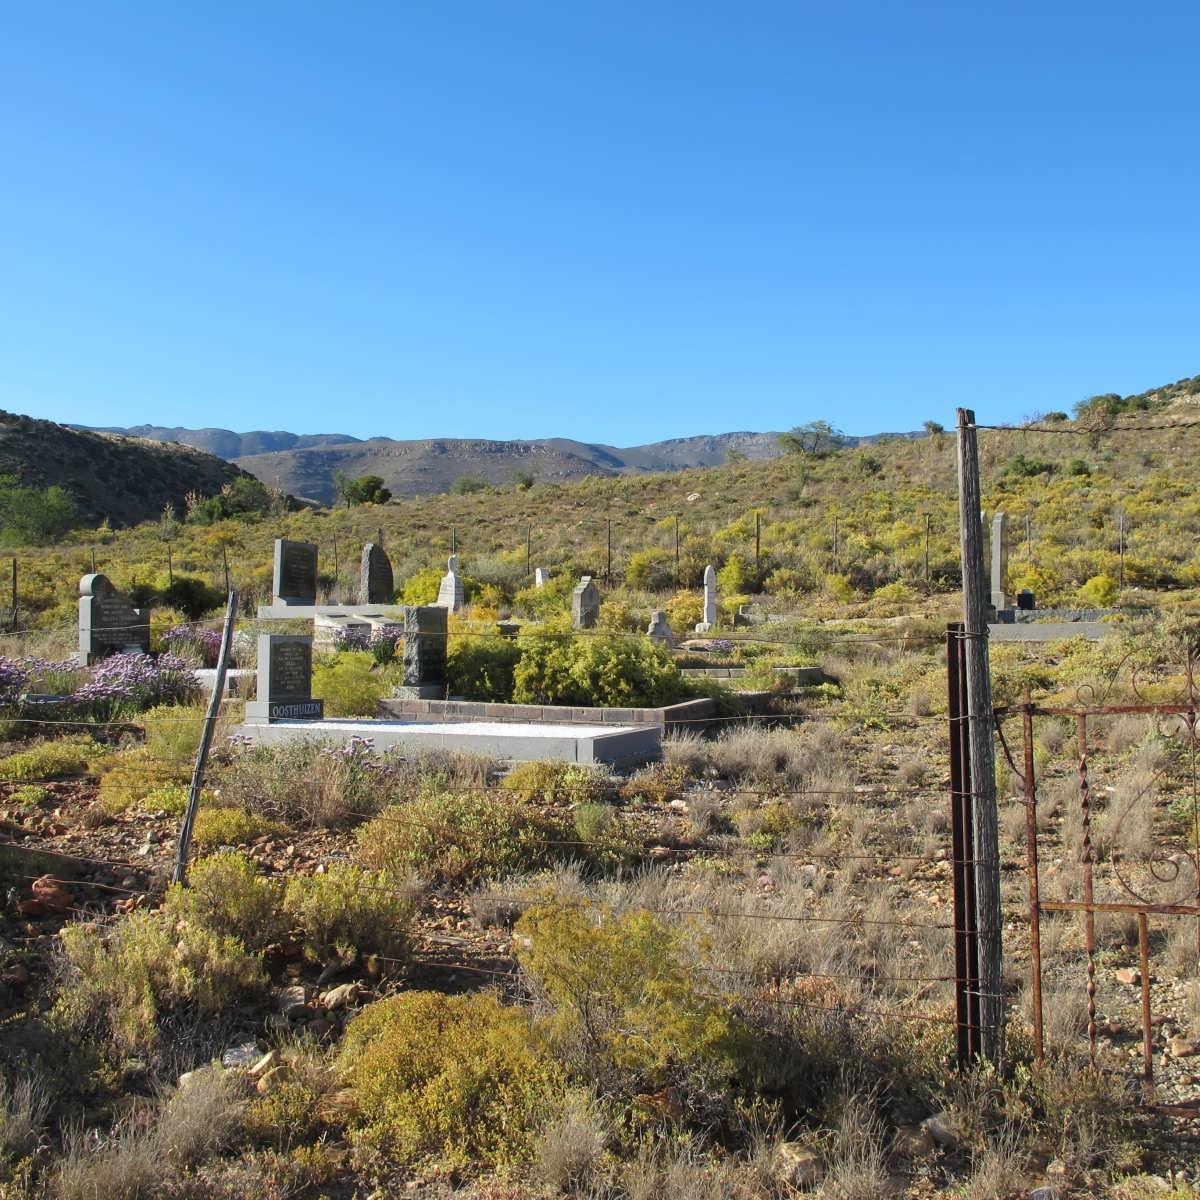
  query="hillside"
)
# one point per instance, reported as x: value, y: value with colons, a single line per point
x: 122, y: 480
x: 304, y: 464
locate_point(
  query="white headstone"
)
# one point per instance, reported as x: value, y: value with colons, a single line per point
x: 540, y: 577
x: 1000, y: 599
x: 450, y: 593
x: 710, y: 600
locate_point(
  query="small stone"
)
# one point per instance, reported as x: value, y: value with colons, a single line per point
x: 244, y: 1055
x: 273, y: 1078
x: 1047, y: 1192
x: 52, y: 894
x: 292, y: 999
x: 943, y: 1128
x: 16, y: 976
x: 1182, y: 1047
x: 1129, y: 975
x: 340, y: 997
x: 797, y: 1165
x: 912, y: 1141
x: 265, y: 1064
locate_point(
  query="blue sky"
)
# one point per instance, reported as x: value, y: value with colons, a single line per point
x: 614, y: 222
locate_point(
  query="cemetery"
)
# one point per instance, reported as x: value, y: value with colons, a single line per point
x: 432, y: 787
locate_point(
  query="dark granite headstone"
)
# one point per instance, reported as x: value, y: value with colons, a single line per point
x: 108, y: 623
x: 585, y: 604
x: 295, y: 577
x: 376, y: 585
x: 425, y: 628
x: 284, y: 681
x: 1025, y: 601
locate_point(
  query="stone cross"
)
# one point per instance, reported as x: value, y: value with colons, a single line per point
x: 540, y: 577
x: 376, y: 584
x: 284, y: 681
x: 710, y: 601
x: 585, y: 604
x: 450, y: 592
x: 295, y: 577
x: 108, y: 623
x: 659, y: 629
x: 999, y: 561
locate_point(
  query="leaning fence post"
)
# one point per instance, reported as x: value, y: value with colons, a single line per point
x: 981, y: 719
x: 178, y: 875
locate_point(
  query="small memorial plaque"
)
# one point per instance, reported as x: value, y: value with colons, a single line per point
x: 284, y: 681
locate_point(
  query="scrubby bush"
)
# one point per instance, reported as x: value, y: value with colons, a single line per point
x: 481, y: 667
x: 600, y: 669
x: 1098, y: 592
x: 659, y: 783
x: 685, y: 610
x: 122, y: 981
x: 307, y: 782
x: 422, y: 588
x: 128, y: 778
x: 462, y: 1078
x: 555, y: 782
x: 552, y: 599
x: 650, y: 570
x: 624, y: 999
x: 172, y: 731
x: 349, y: 685
x: 30, y: 796
x: 225, y: 826
x: 48, y: 760
x: 226, y: 896
x: 347, y: 912
x: 458, y: 838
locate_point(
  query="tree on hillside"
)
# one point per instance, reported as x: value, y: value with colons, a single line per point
x: 35, y: 515
x: 815, y: 439
x: 244, y: 497
x: 366, y: 489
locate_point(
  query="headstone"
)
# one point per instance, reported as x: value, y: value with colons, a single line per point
x: 541, y: 577
x: 295, y: 576
x: 424, y: 657
x: 376, y: 584
x: 999, y: 561
x: 450, y: 593
x: 660, y: 628
x: 108, y: 623
x: 710, y: 600
x: 284, y: 681
x: 1026, y: 601
x: 585, y: 604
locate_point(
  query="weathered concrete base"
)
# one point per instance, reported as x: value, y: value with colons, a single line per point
x: 280, y: 611
x: 1050, y: 631
x: 617, y: 745
x: 695, y: 715
x: 421, y: 691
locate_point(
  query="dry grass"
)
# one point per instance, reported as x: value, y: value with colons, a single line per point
x: 23, y: 1108
x: 855, y: 1160
x: 569, y: 1150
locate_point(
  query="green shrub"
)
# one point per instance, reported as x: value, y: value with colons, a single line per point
x: 227, y: 897
x: 1098, y: 592
x: 125, y: 979
x: 422, y: 588
x: 346, y: 912
x: 600, y: 669
x: 481, y: 667
x: 170, y: 798
x: 555, y: 782
x: 230, y: 827
x: 620, y: 989
x: 685, y: 610
x: 128, y: 778
x: 30, y: 796
x: 552, y: 599
x: 48, y: 760
x: 306, y: 782
x: 173, y: 731
x: 458, y: 838
x: 462, y: 1078
x: 650, y: 570
x: 348, y: 685
x: 658, y: 783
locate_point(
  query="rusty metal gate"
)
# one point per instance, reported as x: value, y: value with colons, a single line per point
x: 1142, y: 873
